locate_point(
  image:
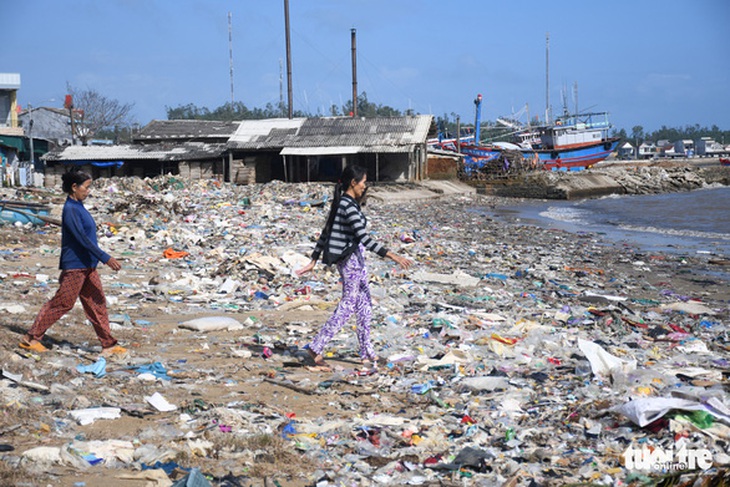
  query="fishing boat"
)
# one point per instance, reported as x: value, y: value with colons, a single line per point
x: 22, y: 213
x: 573, y: 142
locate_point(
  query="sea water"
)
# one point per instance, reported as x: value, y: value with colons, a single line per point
x: 688, y: 222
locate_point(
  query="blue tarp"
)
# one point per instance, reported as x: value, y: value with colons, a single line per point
x: 96, y: 163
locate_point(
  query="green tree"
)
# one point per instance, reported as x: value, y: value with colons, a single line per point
x: 187, y: 112
x: 637, y: 134
x: 367, y: 109
x: 619, y: 133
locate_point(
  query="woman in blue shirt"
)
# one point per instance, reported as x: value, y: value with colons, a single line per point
x: 80, y: 254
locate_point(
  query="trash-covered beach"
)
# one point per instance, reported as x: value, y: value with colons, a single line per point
x: 512, y: 355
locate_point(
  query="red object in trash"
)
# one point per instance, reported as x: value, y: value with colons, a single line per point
x: 468, y: 420
x: 303, y: 290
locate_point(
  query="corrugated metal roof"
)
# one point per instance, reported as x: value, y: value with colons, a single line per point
x: 160, y: 152
x: 10, y: 81
x: 187, y: 129
x: 386, y: 134
x: 319, y: 151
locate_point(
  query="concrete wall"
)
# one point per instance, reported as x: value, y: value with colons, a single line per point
x: 442, y: 167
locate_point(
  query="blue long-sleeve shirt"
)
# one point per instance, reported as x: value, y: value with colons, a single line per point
x: 79, y: 248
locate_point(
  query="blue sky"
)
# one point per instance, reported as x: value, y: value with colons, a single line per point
x: 647, y: 62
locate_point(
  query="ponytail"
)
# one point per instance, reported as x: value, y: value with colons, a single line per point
x: 336, y: 197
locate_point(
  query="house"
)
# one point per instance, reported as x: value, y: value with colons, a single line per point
x: 685, y: 148
x: 51, y: 124
x: 626, y: 151
x: 664, y: 148
x: 16, y: 167
x: 647, y: 150
x: 316, y: 149
x: 291, y: 150
x: 9, y: 86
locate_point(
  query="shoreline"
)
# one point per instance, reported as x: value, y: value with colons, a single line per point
x: 630, y: 177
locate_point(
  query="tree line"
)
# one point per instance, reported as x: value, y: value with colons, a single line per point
x: 108, y: 118
x: 233, y: 111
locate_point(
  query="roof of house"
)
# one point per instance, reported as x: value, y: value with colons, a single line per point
x: 332, y: 135
x: 58, y: 111
x: 162, y: 152
x: 299, y: 136
x: 158, y: 130
x: 9, y: 81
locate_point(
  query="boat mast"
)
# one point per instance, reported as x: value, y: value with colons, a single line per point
x: 547, y: 78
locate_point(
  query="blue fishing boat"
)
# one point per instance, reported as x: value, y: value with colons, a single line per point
x: 572, y: 142
x: 22, y: 213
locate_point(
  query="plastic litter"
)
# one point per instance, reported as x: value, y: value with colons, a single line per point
x: 508, y: 355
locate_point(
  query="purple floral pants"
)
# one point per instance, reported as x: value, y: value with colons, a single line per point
x: 355, y: 299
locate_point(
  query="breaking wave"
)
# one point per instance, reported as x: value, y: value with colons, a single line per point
x: 676, y: 232
x: 567, y: 214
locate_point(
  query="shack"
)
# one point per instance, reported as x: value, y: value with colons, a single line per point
x: 316, y: 149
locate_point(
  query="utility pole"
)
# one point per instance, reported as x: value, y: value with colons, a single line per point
x: 230, y: 53
x: 288, y: 59
x: 30, y: 133
x: 69, y: 105
x: 281, y: 86
x: 354, y: 72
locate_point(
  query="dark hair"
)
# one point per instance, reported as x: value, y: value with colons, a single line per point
x: 349, y: 174
x: 73, y: 177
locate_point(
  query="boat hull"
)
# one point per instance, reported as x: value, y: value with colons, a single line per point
x: 574, y: 159
x: 22, y: 213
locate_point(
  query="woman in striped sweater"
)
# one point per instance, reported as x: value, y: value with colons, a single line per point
x: 343, y: 242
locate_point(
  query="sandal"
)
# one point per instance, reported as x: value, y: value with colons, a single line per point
x: 318, y: 360
x: 34, y: 346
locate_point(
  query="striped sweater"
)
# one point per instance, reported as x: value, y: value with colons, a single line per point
x: 348, y: 230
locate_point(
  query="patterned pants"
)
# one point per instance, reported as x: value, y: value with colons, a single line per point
x: 76, y: 283
x: 355, y: 299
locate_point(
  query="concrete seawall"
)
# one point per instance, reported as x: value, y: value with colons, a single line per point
x: 638, y: 178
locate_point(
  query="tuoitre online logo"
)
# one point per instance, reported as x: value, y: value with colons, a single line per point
x: 660, y: 460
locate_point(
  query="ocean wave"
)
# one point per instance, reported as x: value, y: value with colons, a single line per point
x: 566, y: 214
x: 676, y: 232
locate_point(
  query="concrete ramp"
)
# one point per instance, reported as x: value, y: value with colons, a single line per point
x: 424, y: 190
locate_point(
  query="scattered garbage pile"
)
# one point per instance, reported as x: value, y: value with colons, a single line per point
x: 508, y: 163
x: 511, y: 355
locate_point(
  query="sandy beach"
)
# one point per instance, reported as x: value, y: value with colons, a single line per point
x: 485, y: 299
